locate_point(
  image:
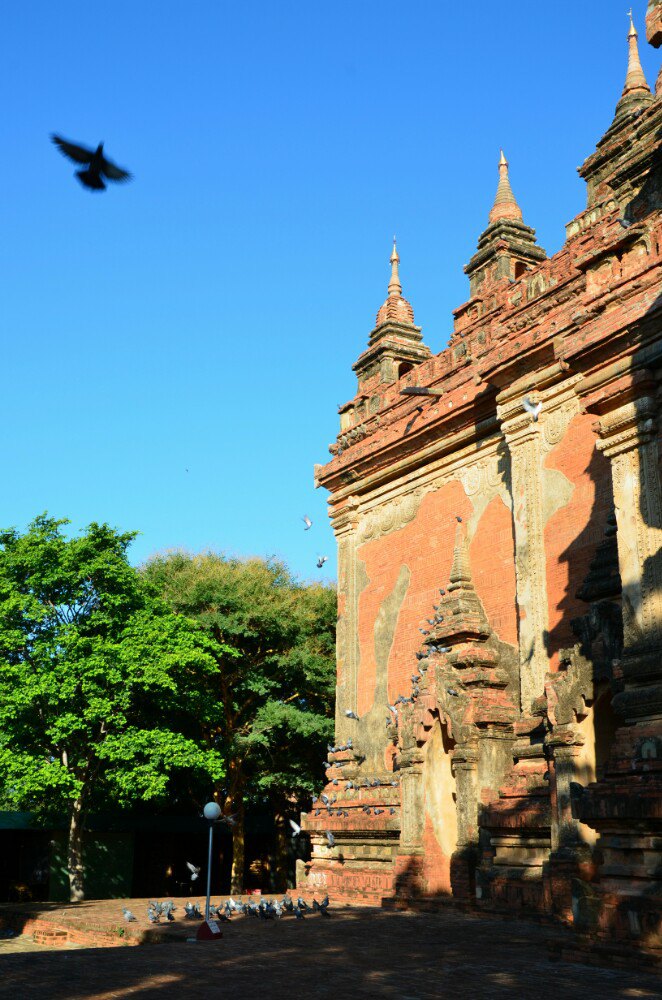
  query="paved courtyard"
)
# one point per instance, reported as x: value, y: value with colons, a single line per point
x: 356, y: 953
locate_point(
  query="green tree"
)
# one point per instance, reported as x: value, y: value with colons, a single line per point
x: 268, y: 708
x: 96, y: 678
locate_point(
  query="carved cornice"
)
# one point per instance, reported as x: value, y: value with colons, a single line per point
x: 629, y: 426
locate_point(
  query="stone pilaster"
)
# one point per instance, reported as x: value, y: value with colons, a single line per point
x: 528, y: 441
x: 466, y: 759
x: 524, y: 439
x: 625, y: 805
x: 412, y: 797
x: 628, y: 438
x: 345, y: 524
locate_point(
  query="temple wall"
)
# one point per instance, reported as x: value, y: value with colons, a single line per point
x: 521, y: 767
x: 573, y: 532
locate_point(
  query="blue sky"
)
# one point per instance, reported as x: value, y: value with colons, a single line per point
x: 175, y: 349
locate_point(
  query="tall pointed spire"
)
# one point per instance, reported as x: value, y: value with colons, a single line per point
x: 508, y: 246
x: 396, y: 343
x: 505, y: 204
x: 396, y: 308
x: 394, y: 286
x: 636, y: 89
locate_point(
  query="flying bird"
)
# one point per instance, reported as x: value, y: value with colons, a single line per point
x: 321, y: 560
x: 193, y: 870
x: 532, y: 408
x: 296, y: 828
x: 95, y: 163
x: 330, y: 838
x: 307, y: 522
x: 228, y: 820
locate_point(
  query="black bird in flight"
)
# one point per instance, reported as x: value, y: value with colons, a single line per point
x: 96, y: 164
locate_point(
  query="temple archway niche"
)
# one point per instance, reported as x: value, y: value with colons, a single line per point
x: 440, y: 809
x: 597, y: 729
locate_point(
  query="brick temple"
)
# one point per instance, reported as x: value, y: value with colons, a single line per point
x: 498, y: 512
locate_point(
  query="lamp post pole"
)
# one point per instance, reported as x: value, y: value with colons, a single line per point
x: 211, y: 812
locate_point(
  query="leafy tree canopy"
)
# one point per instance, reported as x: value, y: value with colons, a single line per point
x: 269, y: 707
x: 96, y: 674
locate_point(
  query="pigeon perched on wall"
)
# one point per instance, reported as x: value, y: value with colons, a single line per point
x: 97, y: 165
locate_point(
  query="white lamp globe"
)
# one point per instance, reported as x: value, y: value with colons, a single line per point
x: 212, y: 811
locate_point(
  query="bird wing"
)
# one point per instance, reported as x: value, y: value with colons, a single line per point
x: 79, y: 154
x: 192, y: 868
x: 113, y: 172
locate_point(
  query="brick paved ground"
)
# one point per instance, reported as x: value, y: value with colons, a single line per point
x: 357, y: 954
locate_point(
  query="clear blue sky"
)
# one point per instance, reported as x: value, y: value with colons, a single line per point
x: 206, y: 316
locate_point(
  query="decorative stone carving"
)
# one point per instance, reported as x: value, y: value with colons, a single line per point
x: 390, y: 517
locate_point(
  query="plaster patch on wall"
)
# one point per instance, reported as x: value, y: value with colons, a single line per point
x: 482, y: 482
x: 440, y: 795
x: 557, y: 492
x: 372, y: 722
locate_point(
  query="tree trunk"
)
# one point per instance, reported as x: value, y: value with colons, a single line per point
x: 75, y: 868
x: 238, y: 848
x: 282, y: 851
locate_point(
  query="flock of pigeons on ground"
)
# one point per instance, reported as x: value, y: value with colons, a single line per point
x: 271, y: 909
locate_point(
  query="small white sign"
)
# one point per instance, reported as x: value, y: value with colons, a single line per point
x: 213, y: 926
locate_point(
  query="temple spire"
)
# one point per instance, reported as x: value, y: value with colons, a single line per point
x: 394, y: 286
x: 505, y: 204
x: 396, y: 308
x: 460, y: 578
x: 395, y: 345
x: 636, y: 86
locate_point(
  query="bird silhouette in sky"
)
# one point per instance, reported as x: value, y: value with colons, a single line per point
x: 95, y: 162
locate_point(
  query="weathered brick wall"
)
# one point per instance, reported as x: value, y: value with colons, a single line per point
x: 573, y: 533
x: 460, y: 487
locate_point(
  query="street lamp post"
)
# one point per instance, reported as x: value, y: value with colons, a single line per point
x: 211, y: 812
